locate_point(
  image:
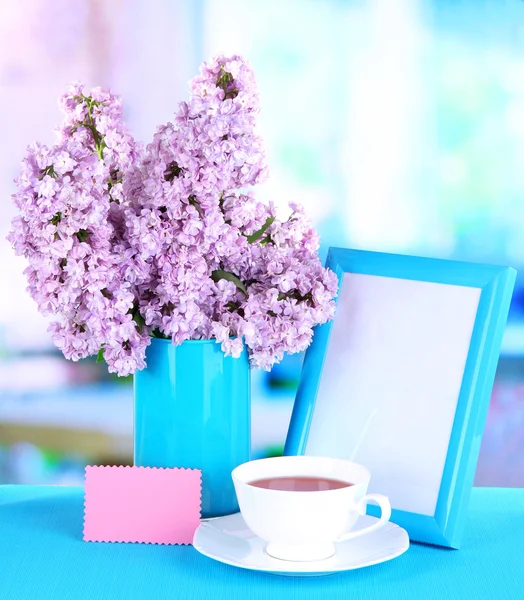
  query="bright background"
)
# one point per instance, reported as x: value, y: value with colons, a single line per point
x: 399, y: 124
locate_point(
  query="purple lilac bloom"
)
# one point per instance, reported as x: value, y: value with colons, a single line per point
x: 222, y: 264
x: 69, y: 197
x: 125, y: 243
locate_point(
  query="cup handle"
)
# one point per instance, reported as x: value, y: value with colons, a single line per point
x: 385, y: 509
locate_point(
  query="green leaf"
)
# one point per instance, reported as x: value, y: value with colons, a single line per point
x: 156, y: 333
x: 193, y: 201
x: 139, y: 320
x: 49, y: 170
x: 221, y: 274
x: 57, y: 218
x: 172, y: 171
x: 258, y: 234
x: 82, y: 235
x: 296, y: 295
x: 224, y: 79
x: 235, y: 307
x: 100, y: 355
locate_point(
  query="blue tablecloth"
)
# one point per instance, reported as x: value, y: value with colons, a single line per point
x: 42, y: 556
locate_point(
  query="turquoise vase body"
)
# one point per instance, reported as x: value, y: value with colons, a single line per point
x: 192, y: 410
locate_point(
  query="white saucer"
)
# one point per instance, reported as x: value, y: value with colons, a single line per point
x: 228, y: 540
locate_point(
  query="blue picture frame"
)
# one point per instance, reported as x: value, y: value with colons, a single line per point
x: 496, y: 285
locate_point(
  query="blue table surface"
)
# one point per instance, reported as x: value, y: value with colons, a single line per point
x: 42, y: 556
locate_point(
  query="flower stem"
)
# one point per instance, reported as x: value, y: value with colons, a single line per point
x: 89, y: 123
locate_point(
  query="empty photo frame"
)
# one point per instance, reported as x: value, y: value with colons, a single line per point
x: 400, y: 381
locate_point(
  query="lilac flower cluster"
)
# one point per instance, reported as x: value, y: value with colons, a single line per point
x: 69, y: 199
x: 125, y: 244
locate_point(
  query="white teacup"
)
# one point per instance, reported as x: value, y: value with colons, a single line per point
x: 302, y: 525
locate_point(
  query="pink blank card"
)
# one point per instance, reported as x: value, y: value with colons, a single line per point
x: 141, y: 504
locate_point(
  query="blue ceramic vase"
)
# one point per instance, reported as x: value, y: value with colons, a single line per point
x: 192, y: 410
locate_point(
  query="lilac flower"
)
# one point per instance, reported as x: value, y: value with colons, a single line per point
x: 66, y: 230
x: 125, y: 243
